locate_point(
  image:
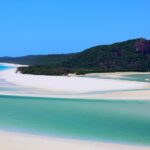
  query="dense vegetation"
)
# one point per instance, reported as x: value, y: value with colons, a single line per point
x: 131, y: 55
x: 37, y: 59
x: 116, y: 57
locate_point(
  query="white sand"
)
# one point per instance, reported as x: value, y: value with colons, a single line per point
x: 76, y: 87
x: 68, y: 84
x: 17, y: 141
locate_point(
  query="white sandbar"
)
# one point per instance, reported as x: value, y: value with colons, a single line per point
x: 68, y: 84
x: 19, y: 141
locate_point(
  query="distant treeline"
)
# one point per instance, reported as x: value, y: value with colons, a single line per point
x: 131, y: 55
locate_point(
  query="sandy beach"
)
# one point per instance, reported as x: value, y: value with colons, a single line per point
x: 78, y: 87
x: 19, y: 141
x: 68, y: 84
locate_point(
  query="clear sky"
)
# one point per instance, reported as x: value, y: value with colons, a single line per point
x: 62, y: 26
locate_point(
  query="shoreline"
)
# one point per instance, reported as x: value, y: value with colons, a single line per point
x: 12, y: 65
x: 68, y: 84
x: 76, y: 87
x: 17, y: 141
x: 121, y: 96
x: 48, y: 82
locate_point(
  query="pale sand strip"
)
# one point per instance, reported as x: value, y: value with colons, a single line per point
x: 18, y: 141
x: 76, y: 87
x: 132, y: 95
x: 68, y: 84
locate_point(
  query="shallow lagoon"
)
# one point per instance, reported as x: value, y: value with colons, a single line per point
x: 110, y: 121
x: 137, y: 77
x: 3, y: 67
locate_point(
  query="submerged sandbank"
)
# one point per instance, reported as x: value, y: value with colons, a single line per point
x: 18, y: 141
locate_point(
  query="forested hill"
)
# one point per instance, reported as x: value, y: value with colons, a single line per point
x: 131, y: 55
x: 37, y: 59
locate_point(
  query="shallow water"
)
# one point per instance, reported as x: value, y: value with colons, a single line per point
x: 115, y: 121
x: 4, y: 67
x: 134, y: 77
x: 137, y: 77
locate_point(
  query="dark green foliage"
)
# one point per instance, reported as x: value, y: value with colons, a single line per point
x: 37, y: 59
x: 121, y: 56
x: 45, y: 70
x: 116, y: 57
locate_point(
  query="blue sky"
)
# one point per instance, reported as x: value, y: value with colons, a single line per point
x: 63, y: 26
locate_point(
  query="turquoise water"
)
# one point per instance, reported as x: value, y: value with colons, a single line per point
x: 137, y: 77
x: 133, y: 77
x: 4, y: 67
x: 110, y: 121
